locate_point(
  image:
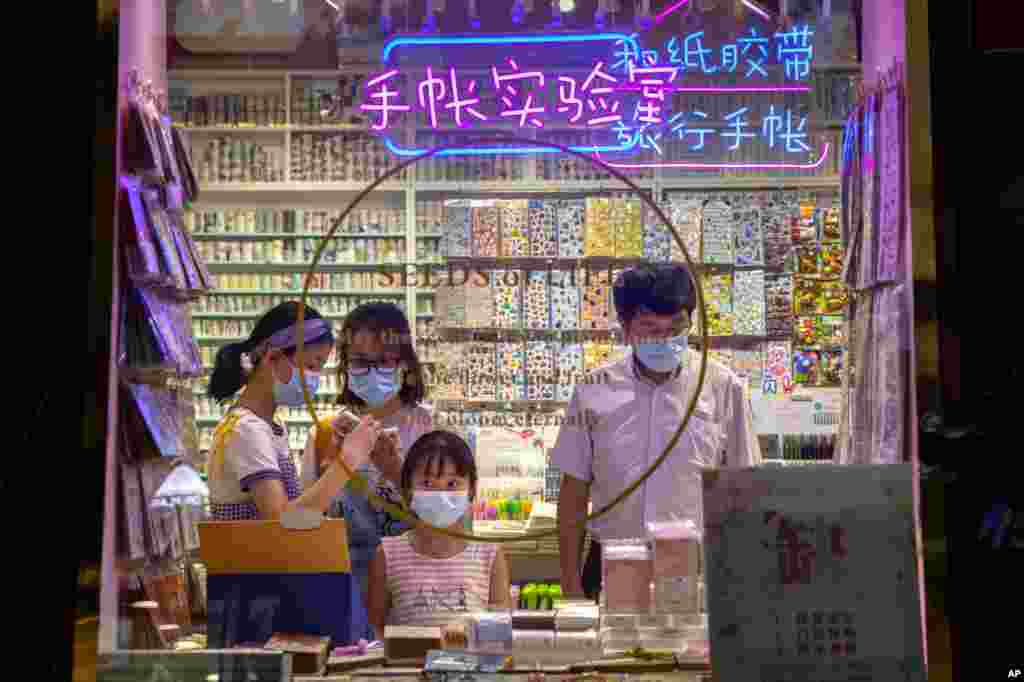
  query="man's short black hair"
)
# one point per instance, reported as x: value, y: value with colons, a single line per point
x: 660, y: 288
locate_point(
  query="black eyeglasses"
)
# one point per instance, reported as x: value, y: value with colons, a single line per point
x: 360, y: 365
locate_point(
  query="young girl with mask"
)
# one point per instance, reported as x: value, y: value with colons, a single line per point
x: 251, y: 473
x: 381, y: 375
x: 426, y: 578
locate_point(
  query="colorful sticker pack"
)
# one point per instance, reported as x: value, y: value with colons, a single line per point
x: 450, y: 302
x: 565, y: 299
x: 778, y: 239
x: 485, y: 231
x: 481, y: 375
x: 748, y: 302
x: 508, y: 299
x: 749, y: 366
x: 594, y: 305
x: 718, y: 240
x: 627, y: 227
x: 543, y: 224
x: 511, y: 367
x: 540, y: 370
x: 778, y: 304
x: 778, y: 375
x: 718, y: 300
x: 479, y: 302
x: 749, y: 237
x: 598, y: 239
x: 569, y: 366
x: 656, y: 235
x: 687, y: 217
x: 537, y: 306
x: 613, y: 313
x: 570, y: 216
x: 457, y: 231
x: 449, y: 382
x: 596, y: 354
x: 515, y: 236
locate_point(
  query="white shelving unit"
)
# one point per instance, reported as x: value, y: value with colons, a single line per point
x: 398, y: 194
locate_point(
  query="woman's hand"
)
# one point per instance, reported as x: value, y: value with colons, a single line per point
x: 358, y: 445
x: 385, y: 456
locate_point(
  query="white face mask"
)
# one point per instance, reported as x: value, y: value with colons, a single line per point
x: 440, y: 508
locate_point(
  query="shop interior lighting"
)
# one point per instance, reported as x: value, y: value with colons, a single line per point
x: 757, y: 9
x: 666, y: 12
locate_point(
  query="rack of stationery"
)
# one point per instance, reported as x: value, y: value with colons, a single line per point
x: 162, y: 273
x: 281, y: 153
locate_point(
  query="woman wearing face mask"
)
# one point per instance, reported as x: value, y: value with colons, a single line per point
x: 381, y: 375
x: 251, y: 473
x: 425, y: 578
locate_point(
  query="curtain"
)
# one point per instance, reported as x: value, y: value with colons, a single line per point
x: 879, y: 401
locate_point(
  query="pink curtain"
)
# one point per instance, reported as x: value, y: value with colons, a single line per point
x: 878, y: 387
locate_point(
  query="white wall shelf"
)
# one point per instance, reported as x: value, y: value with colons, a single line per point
x: 408, y: 192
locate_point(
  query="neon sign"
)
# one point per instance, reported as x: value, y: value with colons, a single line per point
x: 626, y: 98
x: 751, y: 55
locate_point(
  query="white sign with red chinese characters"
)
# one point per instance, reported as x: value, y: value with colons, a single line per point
x: 812, y: 574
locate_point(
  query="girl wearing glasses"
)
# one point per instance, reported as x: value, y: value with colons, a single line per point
x: 252, y: 475
x: 382, y: 377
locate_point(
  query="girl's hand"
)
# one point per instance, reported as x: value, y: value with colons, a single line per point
x: 358, y: 445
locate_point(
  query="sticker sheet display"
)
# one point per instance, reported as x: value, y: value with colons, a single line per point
x: 778, y: 369
x: 718, y: 300
x: 451, y: 305
x: 831, y: 265
x: 807, y: 260
x: 831, y: 368
x: 805, y: 367
x: 779, y: 305
x: 749, y: 366
x: 598, y: 235
x: 457, y: 231
x: 687, y: 217
x: 564, y: 293
x: 485, y: 231
x: 540, y: 370
x: 749, y: 237
x: 807, y: 332
x: 571, y: 214
x: 537, y: 307
x: 508, y: 299
x: 831, y: 229
x: 543, y: 223
x: 805, y: 226
x: 450, y: 372
x: 832, y: 297
x: 832, y: 330
x: 596, y: 354
x: 807, y: 296
x: 515, y: 235
x: 718, y: 241
x: 748, y: 302
x: 481, y: 375
x: 627, y: 228
x: 569, y: 366
x: 613, y: 314
x: 657, y: 237
x: 479, y: 301
x: 778, y: 237
x: 511, y: 367
x: 594, y: 306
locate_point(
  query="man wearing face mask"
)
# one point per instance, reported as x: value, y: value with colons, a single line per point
x: 622, y: 416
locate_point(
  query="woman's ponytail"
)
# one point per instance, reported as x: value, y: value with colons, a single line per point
x: 228, y: 374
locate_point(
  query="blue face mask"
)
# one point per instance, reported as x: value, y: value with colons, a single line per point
x: 440, y: 508
x: 661, y: 356
x: 290, y: 394
x: 376, y: 386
